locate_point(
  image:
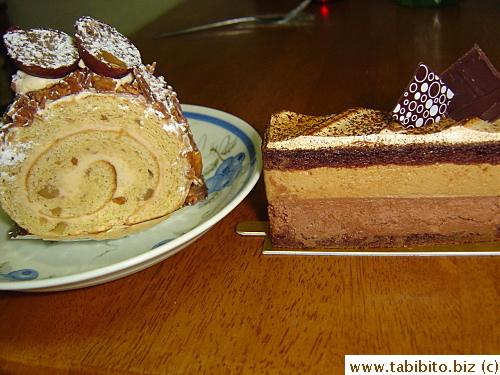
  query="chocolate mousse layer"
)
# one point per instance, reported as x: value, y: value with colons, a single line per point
x: 383, y: 222
x: 367, y: 156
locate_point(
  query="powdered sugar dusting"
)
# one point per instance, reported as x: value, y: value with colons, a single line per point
x: 41, y: 47
x: 12, y: 154
x: 99, y: 36
x: 163, y: 101
x: 159, y: 94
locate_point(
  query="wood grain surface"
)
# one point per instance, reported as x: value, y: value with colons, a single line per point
x: 221, y: 307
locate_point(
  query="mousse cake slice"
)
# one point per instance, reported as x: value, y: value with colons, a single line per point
x: 361, y: 180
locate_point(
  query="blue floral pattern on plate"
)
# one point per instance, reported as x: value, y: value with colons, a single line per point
x: 232, y: 165
x: 17, y: 275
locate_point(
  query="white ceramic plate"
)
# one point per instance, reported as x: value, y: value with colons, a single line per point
x: 232, y: 165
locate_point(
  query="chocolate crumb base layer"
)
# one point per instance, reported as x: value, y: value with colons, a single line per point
x: 365, y: 156
x: 383, y: 242
x: 383, y: 222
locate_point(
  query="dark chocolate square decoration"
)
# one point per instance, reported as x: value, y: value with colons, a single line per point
x: 476, y: 84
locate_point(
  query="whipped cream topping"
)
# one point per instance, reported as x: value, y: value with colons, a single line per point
x: 23, y: 82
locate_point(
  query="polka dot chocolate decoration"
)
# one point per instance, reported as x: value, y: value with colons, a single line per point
x: 424, y: 101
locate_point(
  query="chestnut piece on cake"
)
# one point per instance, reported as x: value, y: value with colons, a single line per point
x: 104, y: 50
x: 44, y: 53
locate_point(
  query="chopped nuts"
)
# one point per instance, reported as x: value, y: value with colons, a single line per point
x: 119, y: 200
x: 49, y: 192
x: 149, y: 193
x: 56, y: 211
x: 59, y: 228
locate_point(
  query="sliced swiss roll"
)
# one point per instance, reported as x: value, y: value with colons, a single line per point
x: 90, y: 155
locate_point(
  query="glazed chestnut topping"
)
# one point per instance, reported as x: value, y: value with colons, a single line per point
x: 42, y: 53
x: 104, y: 50
x: 49, y: 53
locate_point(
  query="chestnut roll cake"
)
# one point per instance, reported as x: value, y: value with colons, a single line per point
x: 359, y: 179
x: 94, y: 144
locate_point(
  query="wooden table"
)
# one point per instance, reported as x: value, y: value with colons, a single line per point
x: 220, y: 306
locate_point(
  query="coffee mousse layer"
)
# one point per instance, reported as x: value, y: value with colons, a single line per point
x: 377, y: 181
